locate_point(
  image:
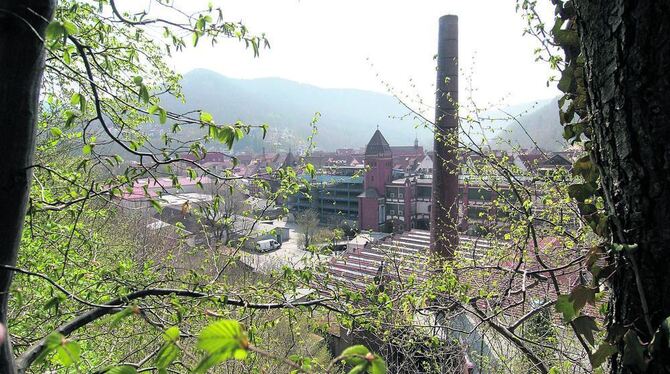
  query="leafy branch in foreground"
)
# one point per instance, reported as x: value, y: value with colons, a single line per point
x: 226, y: 340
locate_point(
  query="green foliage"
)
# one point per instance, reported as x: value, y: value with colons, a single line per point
x: 222, y: 340
x: 566, y: 308
x: 65, y: 352
x: 68, y: 353
x: 581, y: 295
x: 169, y: 351
x: 362, y: 360
x: 633, y: 355
x: 604, y: 351
x: 585, y: 326
x: 121, y: 370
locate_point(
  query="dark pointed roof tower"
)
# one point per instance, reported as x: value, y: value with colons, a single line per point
x: 378, y: 146
x: 290, y: 159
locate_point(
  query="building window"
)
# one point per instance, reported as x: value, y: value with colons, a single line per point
x: 429, y: 206
x: 392, y: 212
x: 392, y: 195
x: 400, y: 195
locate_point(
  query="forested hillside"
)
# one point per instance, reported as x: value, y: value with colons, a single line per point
x: 535, y: 124
x: 128, y: 247
x: 348, y: 117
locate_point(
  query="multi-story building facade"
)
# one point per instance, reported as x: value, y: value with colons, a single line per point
x: 384, y: 194
x: 333, y: 197
x: 400, y: 200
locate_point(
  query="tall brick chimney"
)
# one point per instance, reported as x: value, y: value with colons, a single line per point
x: 444, y: 211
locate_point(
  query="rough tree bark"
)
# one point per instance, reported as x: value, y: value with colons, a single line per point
x: 626, y: 46
x: 22, y: 27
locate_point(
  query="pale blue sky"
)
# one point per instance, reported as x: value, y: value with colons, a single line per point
x: 331, y: 43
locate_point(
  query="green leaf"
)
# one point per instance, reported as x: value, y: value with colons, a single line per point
x: 70, y: 28
x: 87, y: 149
x: 70, y: 116
x: 567, y: 132
x: 121, y: 370
x: 162, y: 115
x: 633, y: 353
x: 221, y: 336
x: 565, y: 307
x: 68, y: 353
x: 126, y: 312
x: 222, y: 340
x: 116, y: 192
x: 82, y: 104
x: 360, y: 368
x: 169, y: 351
x: 354, y: 354
x: 565, y: 84
x: 67, y: 56
x: 54, y: 302
x: 51, y: 342
x: 585, y: 326
x: 56, y: 132
x: 584, y: 167
x: 601, y: 354
x: 208, y: 362
x: 378, y: 366
x: 580, y: 192
x: 309, y: 168
x: 55, y: 30
x: 192, y: 175
x: 581, y: 295
x: 144, y: 94
x: 74, y: 100
x: 206, y: 117
x: 171, y: 334
x: 660, y: 343
x: 156, y: 205
x: 224, y: 134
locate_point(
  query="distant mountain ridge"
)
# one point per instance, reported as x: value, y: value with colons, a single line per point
x: 348, y: 119
x: 348, y: 116
x: 538, y: 125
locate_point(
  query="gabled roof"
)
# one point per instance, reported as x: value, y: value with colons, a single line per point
x: 406, y: 150
x: 556, y: 160
x: 378, y: 146
x: 286, y: 160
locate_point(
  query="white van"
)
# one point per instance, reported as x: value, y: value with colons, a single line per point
x: 267, y: 245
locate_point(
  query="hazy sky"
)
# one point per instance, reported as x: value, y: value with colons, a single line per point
x: 331, y: 43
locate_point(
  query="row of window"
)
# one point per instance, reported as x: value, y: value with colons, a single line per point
x: 374, y: 163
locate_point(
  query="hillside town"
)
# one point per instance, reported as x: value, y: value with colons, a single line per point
x: 379, y: 198
x: 334, y: 187
x: 379, y: 188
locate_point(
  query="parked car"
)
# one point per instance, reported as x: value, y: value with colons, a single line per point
x: 267, y: 245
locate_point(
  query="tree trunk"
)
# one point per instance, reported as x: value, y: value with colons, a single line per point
x: 626, y: 46
x: 22, y: 28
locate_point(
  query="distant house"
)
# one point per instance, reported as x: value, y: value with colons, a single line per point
x: 144, y: 190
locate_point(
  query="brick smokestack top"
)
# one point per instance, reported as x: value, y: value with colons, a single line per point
x: 444, y: 211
